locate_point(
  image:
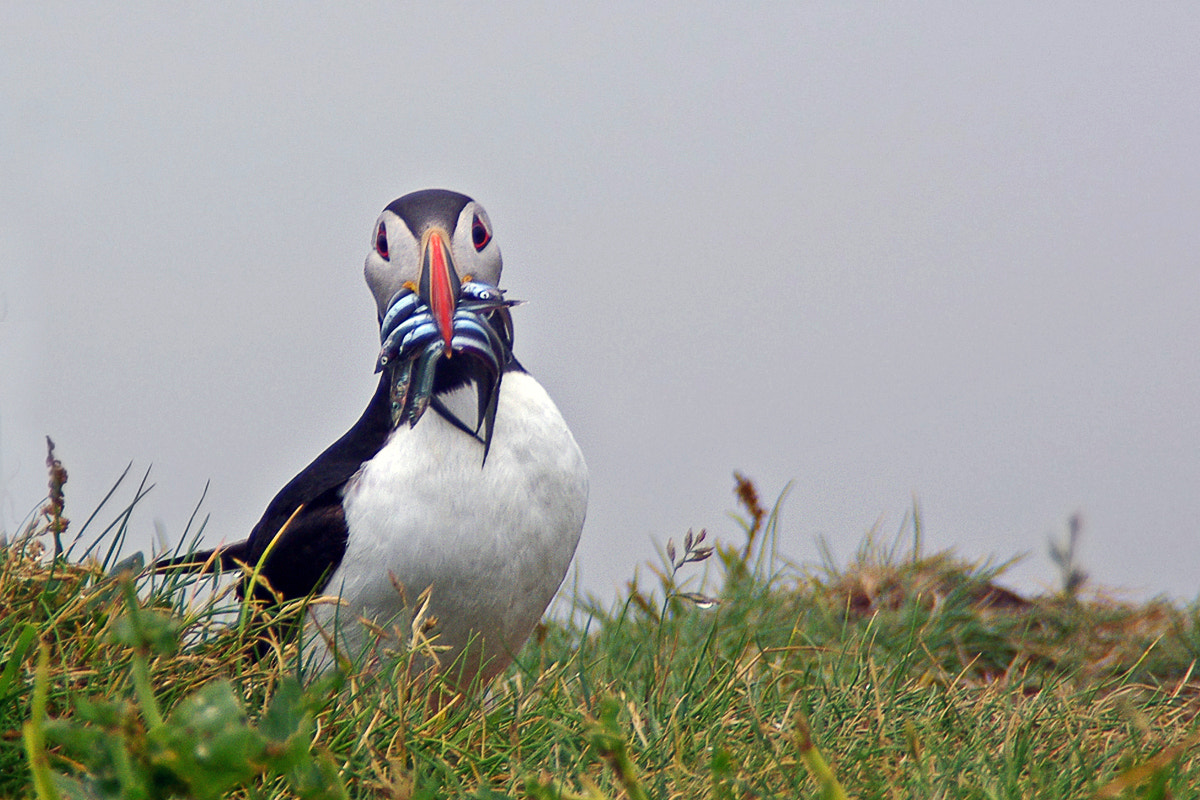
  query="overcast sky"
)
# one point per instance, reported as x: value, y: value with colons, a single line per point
x: 880, y: 252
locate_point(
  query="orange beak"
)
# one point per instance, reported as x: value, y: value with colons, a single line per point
x: 440, y: 285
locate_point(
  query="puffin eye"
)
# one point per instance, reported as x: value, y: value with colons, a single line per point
x: 480, y: 235
x: 381, y: 241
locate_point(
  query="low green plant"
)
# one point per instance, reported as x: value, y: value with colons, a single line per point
x: 203, y: 748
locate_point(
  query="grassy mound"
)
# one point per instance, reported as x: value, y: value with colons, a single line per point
x: 901, y: 674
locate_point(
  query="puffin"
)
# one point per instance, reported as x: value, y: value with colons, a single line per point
x: 461, y: 478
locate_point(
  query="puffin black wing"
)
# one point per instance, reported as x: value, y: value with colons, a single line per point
x: 312, y: 546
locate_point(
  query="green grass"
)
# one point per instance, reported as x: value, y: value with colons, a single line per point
x: 900, y: 674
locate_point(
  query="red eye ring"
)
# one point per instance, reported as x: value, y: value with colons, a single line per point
x: 381, y: 245
x: 480, y: 235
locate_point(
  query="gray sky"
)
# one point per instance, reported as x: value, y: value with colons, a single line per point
x: 935, y: 250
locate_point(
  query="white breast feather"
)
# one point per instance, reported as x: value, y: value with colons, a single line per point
x: 494, y: 541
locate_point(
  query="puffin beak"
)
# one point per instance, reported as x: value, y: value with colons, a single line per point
x: 440, y: 286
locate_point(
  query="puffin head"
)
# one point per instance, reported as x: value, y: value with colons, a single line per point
x: 431, y: 242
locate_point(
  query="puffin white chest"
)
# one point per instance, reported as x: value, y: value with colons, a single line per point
x: 493, y: 540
